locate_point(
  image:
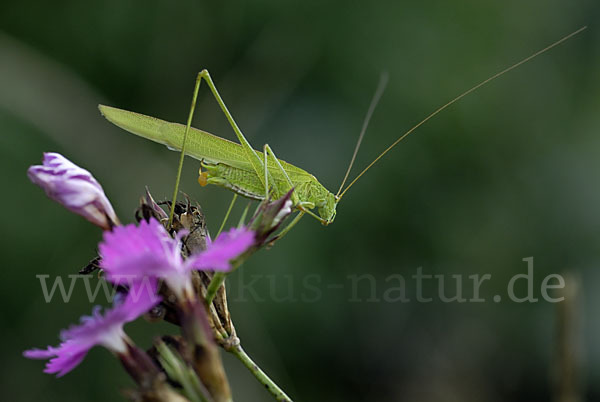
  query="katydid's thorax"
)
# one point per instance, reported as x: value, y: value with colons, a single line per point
x: 247, y: 184
x: 315, y: 193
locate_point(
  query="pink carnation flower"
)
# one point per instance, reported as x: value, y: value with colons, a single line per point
x: 147, y: 250
x: 104, y: 330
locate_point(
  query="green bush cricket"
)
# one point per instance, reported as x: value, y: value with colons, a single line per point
x: 260, y: 175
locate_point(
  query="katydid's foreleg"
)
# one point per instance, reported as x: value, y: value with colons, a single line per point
x: 303, y: 206
x: 295, y: 199
x: 276, y: 190
x: 286, y: 229
x: 267, y: 150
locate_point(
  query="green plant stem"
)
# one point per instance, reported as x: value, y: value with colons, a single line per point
x: 260, y: 375
x: 227, y: 214
x: 214, y: 285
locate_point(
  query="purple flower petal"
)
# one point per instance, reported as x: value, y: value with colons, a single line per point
x: 140, y: 298
x: 73, y: 187
x: 141, y: 250
x: 68, y: 356
x: 228, y: 246
x: 133, y: 252
x: 63, y: 358
x: 105, y: 330
x: 40, y: 353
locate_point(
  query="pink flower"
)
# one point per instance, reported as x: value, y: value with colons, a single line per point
x: 218, y: 254
x: 104, y: 330
x: 73, y: 187
x: 147, y: 250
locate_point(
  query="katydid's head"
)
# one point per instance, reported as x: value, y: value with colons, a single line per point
x: 327, y: 209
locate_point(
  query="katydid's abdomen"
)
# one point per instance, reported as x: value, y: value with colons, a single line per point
x: 200, y: 144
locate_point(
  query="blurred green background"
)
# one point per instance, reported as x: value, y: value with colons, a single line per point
x: 508, y: 173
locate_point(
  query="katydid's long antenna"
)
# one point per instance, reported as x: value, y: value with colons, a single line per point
x: 383, y: 80
x: 493, y: 77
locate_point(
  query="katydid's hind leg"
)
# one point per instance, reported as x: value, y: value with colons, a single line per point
x: 252, y: 156
x: 260, y: 168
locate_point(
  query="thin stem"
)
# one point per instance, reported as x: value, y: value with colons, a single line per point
x: 291, y: 225
x: 227, y: 214
x: 185, y: 134
x: 214, y: 285
x: 243, y: 217
x: 260, y: 375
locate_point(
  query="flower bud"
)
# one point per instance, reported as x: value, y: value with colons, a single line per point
x: 269, y: 217
x: 75, y: 188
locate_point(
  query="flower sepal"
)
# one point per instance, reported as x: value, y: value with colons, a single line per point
x: 269, y: 217
x: 140, y: 366
x: 150, y: 209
